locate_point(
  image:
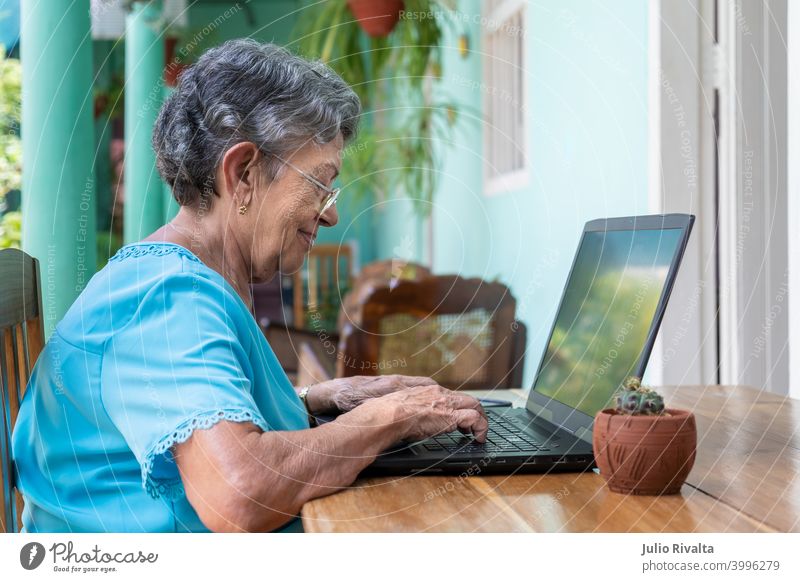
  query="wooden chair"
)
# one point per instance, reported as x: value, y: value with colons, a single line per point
x: 313, y: 359
x: 315, y: 363
x: 460, y: 332
x: 21, y: 342
x: 380, y: 274
x: 329, y: 274
x: 288, y: 342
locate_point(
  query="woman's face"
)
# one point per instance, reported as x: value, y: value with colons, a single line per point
x: 288, y: 210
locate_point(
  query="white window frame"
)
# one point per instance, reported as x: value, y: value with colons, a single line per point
x: 492, y: 20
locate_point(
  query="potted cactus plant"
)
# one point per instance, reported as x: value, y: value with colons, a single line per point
x: 640, y: 446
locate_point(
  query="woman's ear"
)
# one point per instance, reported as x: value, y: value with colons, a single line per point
x: 239, y: 172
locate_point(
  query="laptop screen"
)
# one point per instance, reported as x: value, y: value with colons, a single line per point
x: 605, y: 316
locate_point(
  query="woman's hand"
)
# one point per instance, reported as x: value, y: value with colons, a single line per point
x: 344, y: 394
x: 424, y: 411
x: 239, y: 478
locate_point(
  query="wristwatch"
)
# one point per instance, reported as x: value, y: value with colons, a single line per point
x: 303, y: 394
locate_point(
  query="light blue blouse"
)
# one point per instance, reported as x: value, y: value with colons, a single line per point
x: 157, y: 346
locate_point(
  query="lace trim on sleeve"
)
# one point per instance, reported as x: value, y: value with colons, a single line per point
x: 173, y: 488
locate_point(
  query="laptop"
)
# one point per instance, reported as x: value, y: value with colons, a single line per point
x: 604, y: 330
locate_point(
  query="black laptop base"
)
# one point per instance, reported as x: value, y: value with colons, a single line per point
x: 473, y: 468
x: 557, y: 451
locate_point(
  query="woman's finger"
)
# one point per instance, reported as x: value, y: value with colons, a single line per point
x: 465, y: 401
x: 471, y: 421
x: 412, y: 381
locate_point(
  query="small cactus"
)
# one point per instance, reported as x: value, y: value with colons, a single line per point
x: 633, y: 398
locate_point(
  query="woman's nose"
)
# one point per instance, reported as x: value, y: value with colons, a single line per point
x: 330, y: 217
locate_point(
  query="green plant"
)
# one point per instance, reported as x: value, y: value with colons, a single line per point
x: 327, y: 309
x: 10, y: 147
x: 10, y: 112
x: 11, y: 230
x: 635, y: 399
x: 108, y: 243
x: 393, y: 76
x: 109, y: 81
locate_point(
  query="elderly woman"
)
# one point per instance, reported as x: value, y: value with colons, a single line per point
x: 157, y: 404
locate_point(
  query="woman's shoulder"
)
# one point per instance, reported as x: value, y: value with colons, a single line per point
x: 141, y: 268
x: 139, y: 277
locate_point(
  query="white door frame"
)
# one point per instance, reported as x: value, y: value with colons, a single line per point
x: 754, y: 239
x: 718, y: 150
x: 793, y: 154
x: 683, y: 179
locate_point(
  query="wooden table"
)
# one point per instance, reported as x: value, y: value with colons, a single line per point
x: 746, y: 478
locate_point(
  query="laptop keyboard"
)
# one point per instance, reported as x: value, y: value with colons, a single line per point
x: 504, y: 437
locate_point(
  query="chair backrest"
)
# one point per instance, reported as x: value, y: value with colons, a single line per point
x: 460, y: 332
x: 329, y: 275
x: 21, y: 341
x: 387, y: 273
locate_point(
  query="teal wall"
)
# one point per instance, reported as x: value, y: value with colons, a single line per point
x: 587, y: 76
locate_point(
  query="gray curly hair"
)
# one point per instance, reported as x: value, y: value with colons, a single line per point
x: 240, y: 91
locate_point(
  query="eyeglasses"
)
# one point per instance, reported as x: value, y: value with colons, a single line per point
x: 331, y: 194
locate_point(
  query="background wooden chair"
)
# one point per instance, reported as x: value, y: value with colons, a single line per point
x: 329, y: 272
x: 288, y: 343
x: 316, y: 357
x: 21, y: 341
x: 317, y: 288
x: 381, y: 274
x: 460, y: 332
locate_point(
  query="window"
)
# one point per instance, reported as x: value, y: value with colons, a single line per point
x: 504, y: 95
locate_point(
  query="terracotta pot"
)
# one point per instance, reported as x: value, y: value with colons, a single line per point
x: 172, y: 72
x: 170, y: 43
x: 376, y: 17
x: 172, y: 68
x: 100, y: 104
x: 645, y: 455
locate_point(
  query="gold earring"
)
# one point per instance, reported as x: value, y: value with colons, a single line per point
x: 242, y: 209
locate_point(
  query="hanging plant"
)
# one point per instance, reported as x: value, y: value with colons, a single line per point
x: 393, y: 76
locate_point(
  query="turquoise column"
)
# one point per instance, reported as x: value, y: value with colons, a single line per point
x: 144, y: 65
x: 171, y: 206
x: 58, y: 191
